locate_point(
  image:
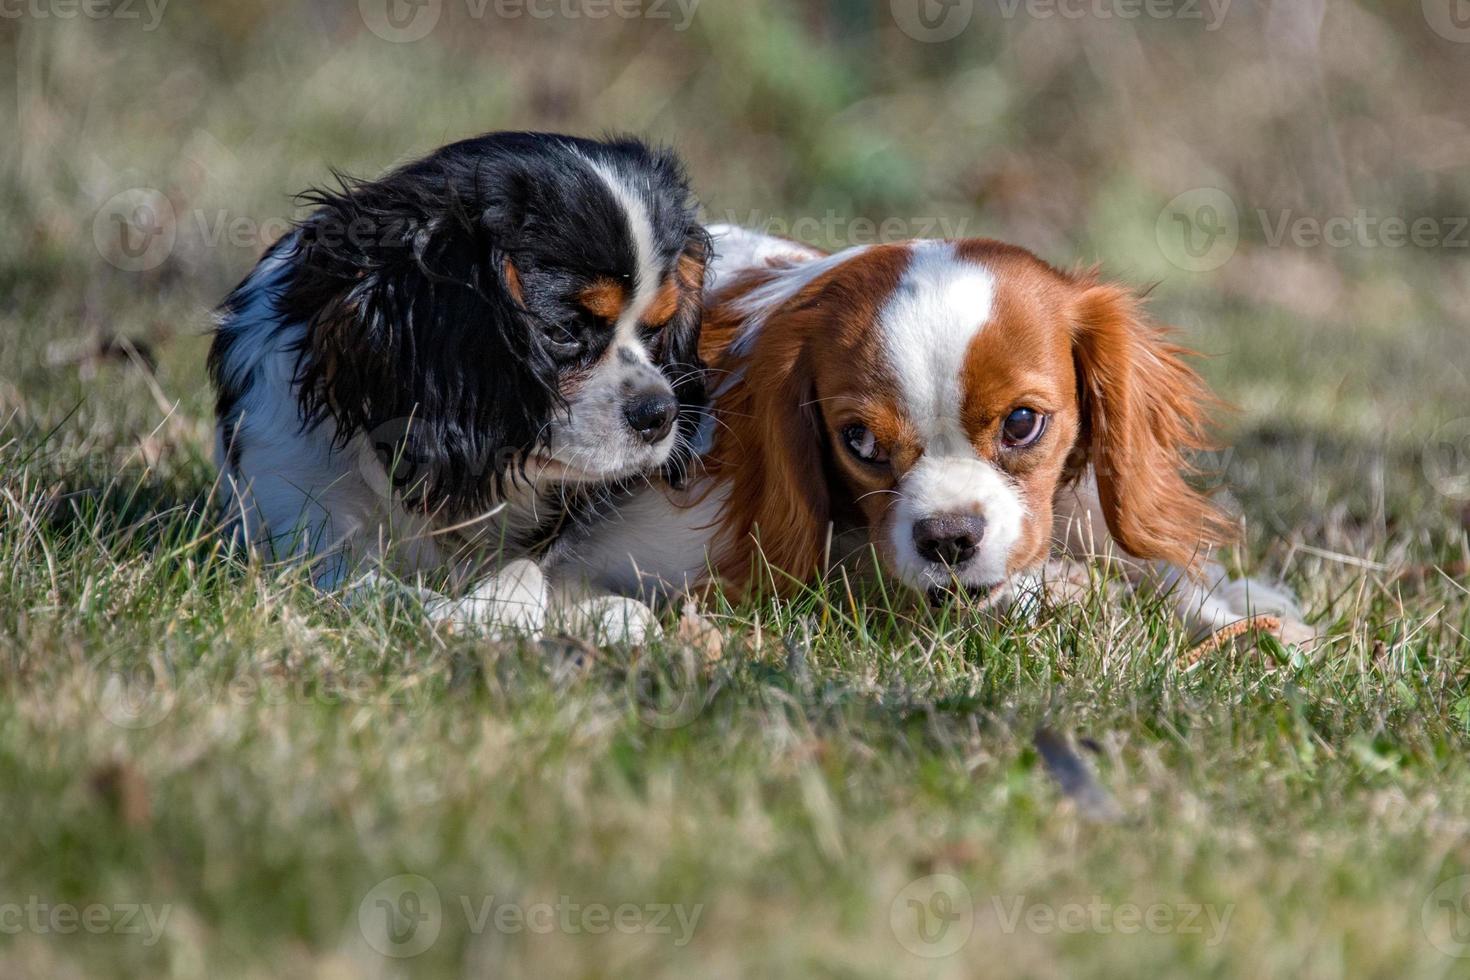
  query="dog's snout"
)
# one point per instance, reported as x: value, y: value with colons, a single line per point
x: 950, y: 539
x: 651, y: 415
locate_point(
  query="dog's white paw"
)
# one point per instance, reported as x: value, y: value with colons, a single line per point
x: 512, y: 602
x: 612, y: 620
x: 1206, y: 609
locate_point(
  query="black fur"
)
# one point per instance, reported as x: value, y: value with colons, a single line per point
x: 403, y: 285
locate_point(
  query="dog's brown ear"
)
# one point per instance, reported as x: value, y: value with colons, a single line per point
x: 769, y: 449
x: 1144, y: 411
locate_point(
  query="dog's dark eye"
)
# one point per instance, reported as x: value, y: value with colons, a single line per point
x: 861, y: 442
x: 1022, y: 428
x: 563, y: 346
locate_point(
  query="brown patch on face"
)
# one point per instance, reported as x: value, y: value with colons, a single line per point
x: 513, y: 282
x: 816, y: 363
x: 1022, y: 358
x: 1118, y: 395
x: 678, y: 291
x: 665, y: 304
x: 604, y: 297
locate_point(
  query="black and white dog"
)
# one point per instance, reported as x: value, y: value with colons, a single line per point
x: 439, y: 370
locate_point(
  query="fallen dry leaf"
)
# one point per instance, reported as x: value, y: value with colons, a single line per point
x: 699, y: 633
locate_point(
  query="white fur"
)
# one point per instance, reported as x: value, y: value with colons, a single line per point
x: 641, y: 230
x: 1204, y: 604
x: 597, y: 433
x: 954, y: 484
x: 737, y: 249
x: 651, y: 546
x: 512, y: 601
x: 607, y: 619
x: 758, y: 304
x: 928, y: 325
x: 654, y: 546
x: 941, y: 305
x: 292, y: 494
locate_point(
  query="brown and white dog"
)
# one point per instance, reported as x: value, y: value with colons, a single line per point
x: 957, y: 407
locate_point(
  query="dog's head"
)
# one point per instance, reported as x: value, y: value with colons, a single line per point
x: 522, y: 306
x: 938, y: 394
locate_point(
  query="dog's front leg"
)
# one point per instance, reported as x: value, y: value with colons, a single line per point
x: 1204, y: 602
x: 512, y: 601
x: 601, y: 617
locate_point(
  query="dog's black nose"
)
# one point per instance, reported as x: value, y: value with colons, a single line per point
x: 651, y: 416
x: 951, y: 539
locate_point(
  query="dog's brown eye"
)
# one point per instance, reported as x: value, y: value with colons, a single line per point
x: 1022, y: 427
x: 861, y: 442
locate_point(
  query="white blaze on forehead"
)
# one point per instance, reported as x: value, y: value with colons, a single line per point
x: 650, y: 269
x: 941, y: 304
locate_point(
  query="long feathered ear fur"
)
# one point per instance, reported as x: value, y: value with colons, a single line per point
x: 1144, y: 410
x: 770, y: 450
x: 413, y: 326
x: 678, y: 355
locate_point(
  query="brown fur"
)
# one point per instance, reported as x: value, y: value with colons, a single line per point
x: 815, y: 348
x: 1144, y: 408
x: 1117, y: 392
x: 769, y: 449
x: 687, y: 278
x: 513, y: 283
x: 604, y: 298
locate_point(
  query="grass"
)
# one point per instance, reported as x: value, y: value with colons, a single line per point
x: 230, y: 774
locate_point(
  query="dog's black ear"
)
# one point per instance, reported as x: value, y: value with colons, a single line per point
x: 415, y: 337
x: 679, y: 354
